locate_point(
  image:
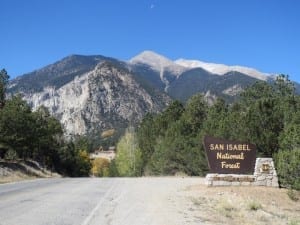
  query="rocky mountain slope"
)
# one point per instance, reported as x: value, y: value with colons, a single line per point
x: 88, y: 99
x: 90, y: 94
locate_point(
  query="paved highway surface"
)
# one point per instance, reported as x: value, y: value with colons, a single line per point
x: 91, y: 201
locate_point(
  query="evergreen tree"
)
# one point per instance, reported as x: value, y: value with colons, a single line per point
x: 171, y: 114
x: 4, y: 77
x: 17, y: 127
x: 216, y: 123
x: 178, y: 152
x: 152, y: 128
x: 72, y: 162
x: 48, y: 135
x: 147, y: 134
x: 195, y: 113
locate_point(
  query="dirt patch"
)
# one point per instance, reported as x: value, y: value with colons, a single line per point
x: 241, y: 205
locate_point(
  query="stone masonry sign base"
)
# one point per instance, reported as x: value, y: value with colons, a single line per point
x: 264, y: 175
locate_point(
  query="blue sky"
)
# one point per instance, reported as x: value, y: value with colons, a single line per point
x: 263, y: 34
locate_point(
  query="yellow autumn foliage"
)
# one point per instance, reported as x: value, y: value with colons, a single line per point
x: 100, y: 167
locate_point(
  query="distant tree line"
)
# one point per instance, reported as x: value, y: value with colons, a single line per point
x: 169, y: 143
x: 38, y: 136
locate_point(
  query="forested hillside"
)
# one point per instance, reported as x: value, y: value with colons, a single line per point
x: 171, y: 142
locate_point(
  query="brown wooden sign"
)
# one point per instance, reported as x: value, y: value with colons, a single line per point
x: 226, y: 156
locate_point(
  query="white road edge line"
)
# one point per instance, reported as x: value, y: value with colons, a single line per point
x: 92, y: 214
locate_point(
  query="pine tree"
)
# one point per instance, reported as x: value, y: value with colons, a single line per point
x: 4, y: 77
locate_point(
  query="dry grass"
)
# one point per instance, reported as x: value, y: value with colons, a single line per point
x: 243, y: 205
x: 15, y: 177
x: 20, y: 170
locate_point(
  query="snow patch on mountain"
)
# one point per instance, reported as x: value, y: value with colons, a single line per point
x: 221, y: 69
x: 177, y: 67
x: 160, y: 64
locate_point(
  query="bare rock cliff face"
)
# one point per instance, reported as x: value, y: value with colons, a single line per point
x: 105, y: 97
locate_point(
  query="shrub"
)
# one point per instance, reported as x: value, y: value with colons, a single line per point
x: 293, y: 195
x: 254, y: 206
x: 288, y: 168
x: 100, y: 167
x: 11, y: 155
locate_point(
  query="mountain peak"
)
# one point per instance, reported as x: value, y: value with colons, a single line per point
x: 151, y: 58
x: 157, y: 62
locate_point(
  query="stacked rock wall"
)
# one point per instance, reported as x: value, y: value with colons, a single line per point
x: 264, y: 175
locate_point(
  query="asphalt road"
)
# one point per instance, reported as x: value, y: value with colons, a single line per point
x: 91, y: 201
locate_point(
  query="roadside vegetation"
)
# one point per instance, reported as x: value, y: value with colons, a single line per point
x: 241, y: 205
x: 37, y: 136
